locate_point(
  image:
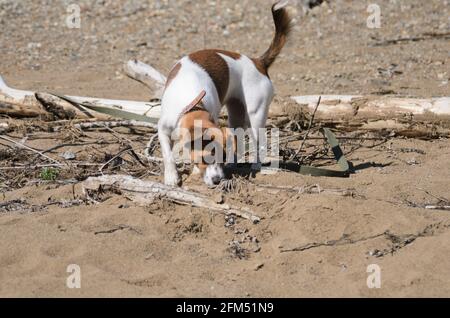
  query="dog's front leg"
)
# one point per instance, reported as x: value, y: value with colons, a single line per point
x: 171, y: 177
x: 257, y: 122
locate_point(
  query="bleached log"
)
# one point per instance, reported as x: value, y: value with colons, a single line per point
x: 23, y: 103
x: 62, y: 109
x: 146, y: 74
x: 19, y: 103
x: 145, y: 192
x: 333, y: 106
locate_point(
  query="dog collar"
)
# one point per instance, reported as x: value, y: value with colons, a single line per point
x: 194, y: 104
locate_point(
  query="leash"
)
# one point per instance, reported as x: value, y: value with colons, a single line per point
x: 346, y: 168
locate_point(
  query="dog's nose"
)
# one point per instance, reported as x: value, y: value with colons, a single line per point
x: 216, y: 179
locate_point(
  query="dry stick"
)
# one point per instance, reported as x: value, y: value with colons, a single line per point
x: 442, y: 199
x: 113, y: 124
x: 148, y: 151
x: 311, y: 121
x: 309, y: 189
x: 145, y: 192
x: 114, y: 158
x: 344, y: 240
x: 68, y: 145
x: 438, y: 207
x: 29, y: 148
x: 60, y: 165
x: 423, y: 37
x: 121, y: 139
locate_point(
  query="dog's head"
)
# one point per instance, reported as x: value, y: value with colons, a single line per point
x: 209, y: 145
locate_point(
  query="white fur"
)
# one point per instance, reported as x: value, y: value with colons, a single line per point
x: 213, y: 174
x: 247, y: 84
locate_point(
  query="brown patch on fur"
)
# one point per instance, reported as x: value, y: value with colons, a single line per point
x: 216, y: 67
x: 259, y: 64
x: 173, y: 73
x: 233, y: 55
x: 210, y: 132
x: 283, y: 27
x: 187, y: 122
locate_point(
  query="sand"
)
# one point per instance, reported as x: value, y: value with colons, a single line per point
x: 169, y: 250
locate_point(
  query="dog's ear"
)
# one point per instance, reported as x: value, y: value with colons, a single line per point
x: 185, y: 137
x: 229, y: 139
x: 211, y: 132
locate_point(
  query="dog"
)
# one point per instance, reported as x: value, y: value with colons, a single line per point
x: 200, y: 84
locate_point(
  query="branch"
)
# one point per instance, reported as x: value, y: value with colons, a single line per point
x: 311, y: 121
x: 145, y: 74
x: 145, y: 192
x: 28, y: 148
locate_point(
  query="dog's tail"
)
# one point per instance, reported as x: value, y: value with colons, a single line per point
x: 283, y: 26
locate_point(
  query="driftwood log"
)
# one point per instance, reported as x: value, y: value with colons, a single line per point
x: 395, y: 116
x: 146, y: 74
x: 410, y: 117
x: 22, y: 103
x: 145, y: 192
x: 374, y: 106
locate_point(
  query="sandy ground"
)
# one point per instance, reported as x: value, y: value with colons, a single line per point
x: 307, y: 244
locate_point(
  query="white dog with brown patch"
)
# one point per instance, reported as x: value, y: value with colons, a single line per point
x: 202, y: 82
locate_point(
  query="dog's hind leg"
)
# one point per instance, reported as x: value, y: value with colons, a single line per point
x: 258, y: 109
x: 237, y: 114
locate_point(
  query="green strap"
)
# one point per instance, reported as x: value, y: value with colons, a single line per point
x: 321, y: 172
x: 110, y: 111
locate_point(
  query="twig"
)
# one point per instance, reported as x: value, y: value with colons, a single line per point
x: 61, y: 165
x: 310, y: 189
x: 114, y: 158
x: 423, y: 37
x: 311, y: 121
x: 113, y: 124
x: 441, y: 199
x: 29, y: 148
x: 119, y: 228
x: 344, y: 240
x: 148, y: 151
x: 438, y: 207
